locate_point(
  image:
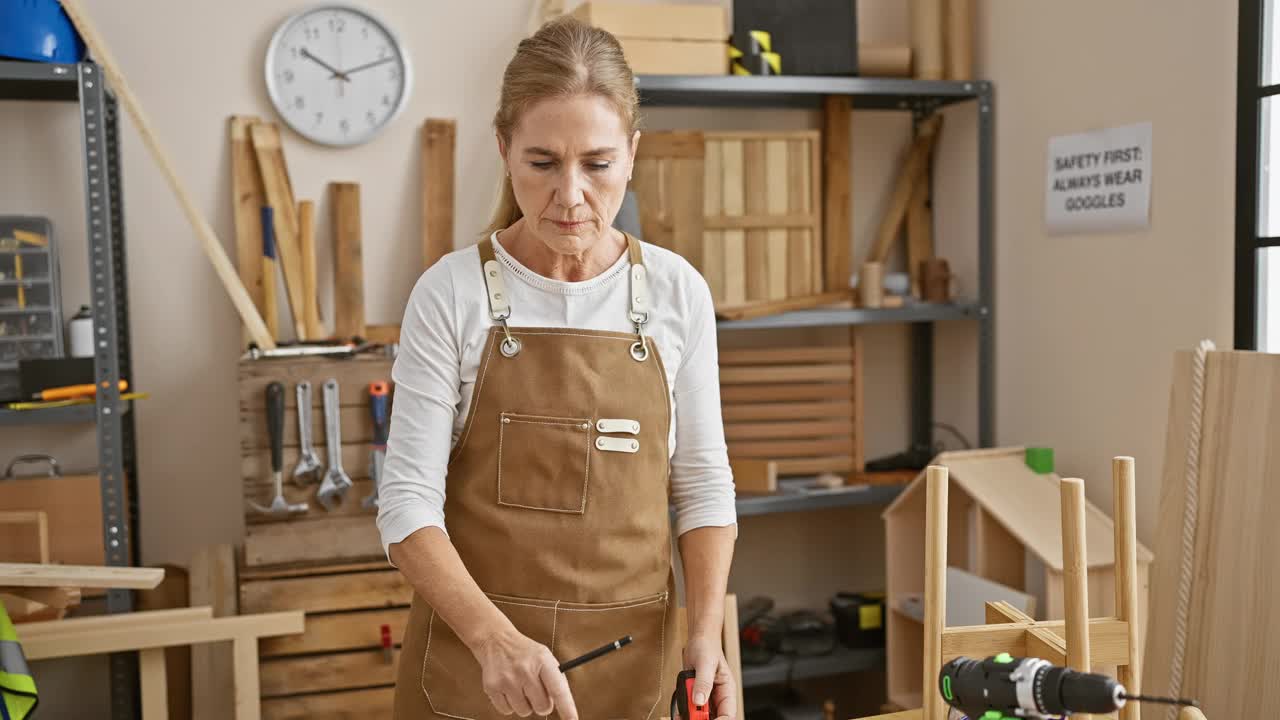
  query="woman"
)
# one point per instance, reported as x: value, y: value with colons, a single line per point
x: 577, y: 369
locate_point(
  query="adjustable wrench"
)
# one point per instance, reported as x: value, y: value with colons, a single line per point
x: 378, y: 454
x: 335, y: 483
x: 275, y: 428
x: 308, y: 468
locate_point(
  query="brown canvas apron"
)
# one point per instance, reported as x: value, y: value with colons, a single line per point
x: 557, y: 503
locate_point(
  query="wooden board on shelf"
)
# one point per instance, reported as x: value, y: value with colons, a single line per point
x: 795, y: 407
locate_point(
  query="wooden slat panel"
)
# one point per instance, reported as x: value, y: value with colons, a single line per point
x: 785, y: 373
x: 763, y: 135
x: 787, y: 411
x: 339, y: 671
x: 262, y: 492
x: 837, y: 191
x: 337, y: 538
x: 683, y: 185
x: 790, y: 448
x: 356, y: 425
x: 814, y: 466
x: 646, y: 182
x: 734, y: 199
x: 816, y: 199
x: 749, y: 222
x: 736, y: 394
x: 344, y: 705
x: 327, y: 593
x: 756, y: 194
x: 713, y: 204
x: 813, y: 428
x: 277, y: 572
x: 353, y: 376
x: 332, y: 632
x: 670, y: 144
x: 800, y: 256
x: 256, y: 466
x: 768, y: 356
x: 779, y: 257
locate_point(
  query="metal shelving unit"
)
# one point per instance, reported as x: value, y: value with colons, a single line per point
x: 83, y: 83
x: 920, y: 98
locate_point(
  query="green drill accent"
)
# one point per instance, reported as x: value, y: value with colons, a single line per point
x: 1004, y: 658
x: 946, y: 688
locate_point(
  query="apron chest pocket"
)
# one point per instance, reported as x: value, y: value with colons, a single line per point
x: 544, y: 463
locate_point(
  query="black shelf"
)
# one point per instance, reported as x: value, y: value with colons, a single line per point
x: 919, y: 312
x: 38, y: 81
x: 841, y: 660
x: 794, y: 496
x: 802, y: 91
x: 68, y: 415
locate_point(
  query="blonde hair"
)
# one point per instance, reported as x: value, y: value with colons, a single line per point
x: 564, y: 58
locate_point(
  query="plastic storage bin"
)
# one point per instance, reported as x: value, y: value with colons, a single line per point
x: 30, y: 299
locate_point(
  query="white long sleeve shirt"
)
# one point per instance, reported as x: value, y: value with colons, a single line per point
x: 443, y: 333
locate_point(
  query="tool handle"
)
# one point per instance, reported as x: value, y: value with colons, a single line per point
x: 304, y: 415
x: 333, y: 424
x: 74, y: 391
x: 378, y: 395
x: 275, y: 424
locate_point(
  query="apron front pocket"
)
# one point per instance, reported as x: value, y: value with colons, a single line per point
x: 624, y: 684
x: 451, y: 676
x: 544, y: 463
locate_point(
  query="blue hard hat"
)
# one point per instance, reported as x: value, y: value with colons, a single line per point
x: 38, y: 30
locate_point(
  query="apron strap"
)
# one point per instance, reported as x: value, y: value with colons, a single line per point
x: 638, y: 312
x: 499, y: 305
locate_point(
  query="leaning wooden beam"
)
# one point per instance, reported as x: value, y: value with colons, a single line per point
x: 917, y: 158
x: 82, y: 576
x: 204, y: 232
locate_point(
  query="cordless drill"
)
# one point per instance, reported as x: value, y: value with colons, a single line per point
x: 1008, y: 688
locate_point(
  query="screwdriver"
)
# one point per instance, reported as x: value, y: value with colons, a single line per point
x: 1007, y: 688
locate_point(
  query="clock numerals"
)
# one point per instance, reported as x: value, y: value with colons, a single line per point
x: 288, y: 76
x: 373, y: 119
x: 310, y: 33
x: 386, y: 101
x: 319, y: 117
x: 344, y: 126
x: 299, y: 102
x: 337, y: 24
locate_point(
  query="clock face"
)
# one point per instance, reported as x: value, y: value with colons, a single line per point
x: 337, y: 75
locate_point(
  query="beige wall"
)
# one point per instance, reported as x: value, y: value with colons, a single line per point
x: 1085, y: 325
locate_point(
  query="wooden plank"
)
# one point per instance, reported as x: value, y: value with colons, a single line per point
x: 785, y: 373
x: 784, y: 392
x: 344, y: 705
x: 670, y: 144
x: 754, y: 476
x: 385, y: 334
x: 310, y: 570
x: 24, y: 536
x: 786, y: 355
x: 837, y: 192
x: 713, y: 205
x: 332, y: 632
x: 279, y: 191
x: 263, y: 490
x: 816, y: 466
x: 212, y: 583
x: 919, y: 231
x: 646, y: 182
x: 338, y: 539
x: 55, y: 598
x: 683, y: 181
x: 357, y: 426
x: 733, y: 198
x: 247, y: 199
x: 814, y: 428
x: 780, y: 449
x: 74, y: 640
x: 353, y: 376
x: 172, y: 593
x: 801, y: 260
x: 859, y: 444
x: 1001, y: 611
x: 784, y: 220
x: 914, y: 160
x: 756, y: 198
x: 327, y: 593
x: 778, y: 255
x: 247, y: 689
x: 935, y: 583
x: 307, y: 252
x: 730, y: 311
x: 731, y: 642
x: 439, y: 141
x: 154, y: 685
x: 335, y: 671
x: 81, y: 576
x: 787, y: 411
x: 125, y: 621
x: 982, y: 641
x: 348, y: 260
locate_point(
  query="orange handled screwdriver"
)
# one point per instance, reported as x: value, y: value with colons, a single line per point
x: 73, y: 391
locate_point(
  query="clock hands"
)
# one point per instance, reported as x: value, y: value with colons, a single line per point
x: 338, y: 74
x: 366, y: 66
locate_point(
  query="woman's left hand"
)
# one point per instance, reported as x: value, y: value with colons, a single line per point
x: 712, y: 677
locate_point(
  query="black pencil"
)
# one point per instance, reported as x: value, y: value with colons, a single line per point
x: 588, y: 657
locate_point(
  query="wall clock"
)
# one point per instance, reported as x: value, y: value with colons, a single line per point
x: 337, y: 75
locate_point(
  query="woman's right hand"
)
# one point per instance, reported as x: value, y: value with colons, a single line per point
x: 522, y: 676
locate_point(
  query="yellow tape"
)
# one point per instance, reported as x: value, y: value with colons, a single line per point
x: 764, y: 39
x: 774, y: 60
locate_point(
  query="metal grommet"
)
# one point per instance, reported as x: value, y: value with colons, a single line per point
x: 600, y: 443
x: 639, y: 351
x: 510, y: 347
